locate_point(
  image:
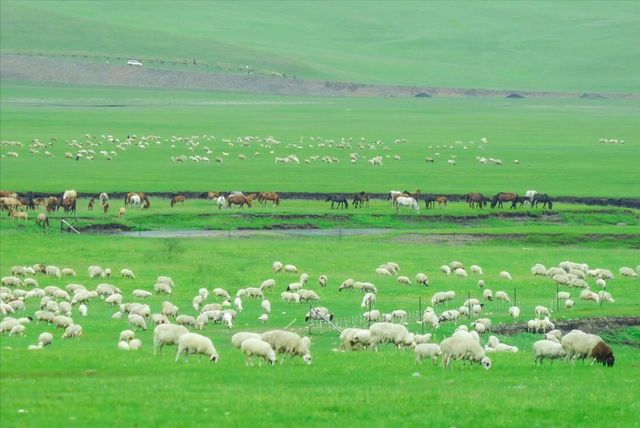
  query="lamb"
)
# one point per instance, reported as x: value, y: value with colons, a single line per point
x: 193, y: 343
x: 626, y: 271
x: 264, y: 319
x: 322, y: 281
x: 136, y: 321
x: 504, y: 275
x: 167, y: 335
x: 542, y: 310
x: 186, y: 320
x: 219, y: 292
x: 237, y: 303
x: 256, y: 347
x: 462, y: 346
x: 287, y: 343
x: 45, y: 339
x: 277, y: 267
x: 373, y: 315
x: 72, y: 331
x: 404, y: 280
x: 141, y: 294
x: 266, y: 305
x: 514, y: 312
x: 290, y: 269
x: 547, y: 349
x: 427, y: 350
x: 135, y: 344
x: 422, y: 279
x: 238, y: 338
x: 127, y: 335
x: 580, y: 345
x: 501, y: 295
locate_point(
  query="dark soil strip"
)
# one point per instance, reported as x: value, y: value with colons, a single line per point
x: 588, y: 325
x: 86, y: 73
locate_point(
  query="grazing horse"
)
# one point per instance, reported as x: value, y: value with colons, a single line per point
x: 430, y: 200
x: 103, y: 198
x: 360, y: 199
x: 143, y: 199
x: 221, y: 201
x: 442, y: 200
x: 415, y: 195
x: 135, y: 201
x: 52, y: 204
x: 476, y: 199
x: 269, y: 196
x: 91, y: 203
x: 520, y: 200
x: 105, y: 207
x: 409, y: 202
x: 69, y: 205
x: 393, y: 193
x: 212, y: 195
x: 176, y: 199
x: 544, y: 198
x: 27, y: 202
x: 338, y: 199
x: 503, y: 197
x: 240, y: 200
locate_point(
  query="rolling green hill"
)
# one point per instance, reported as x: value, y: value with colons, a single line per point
x: 561, y: 46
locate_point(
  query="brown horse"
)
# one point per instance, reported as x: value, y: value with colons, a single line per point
x: 240, y: 200
x: 212, y: 195
x: 105, y: 207
x: 91, y: 204
x: 442, y: 200
x: 476, y: 199
x: 360, y: 200
x: 176, y: 199
x: 52, y: 204
x: 399, y: 195
x: 69, y: 205
x: 503, y: 197
x: 269, y: 196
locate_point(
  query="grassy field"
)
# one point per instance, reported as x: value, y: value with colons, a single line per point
x: 536, y: 45
x: 555, y: 141
x: 64, y: 383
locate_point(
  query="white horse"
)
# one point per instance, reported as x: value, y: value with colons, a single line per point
x: 392, y: 194
x: 135, y: 201
x: 236, y: 193
x: 530, y: 194
x: 221, y: 201
x: 407, y: 202
x: 103, y: 198
x: 70, y: 194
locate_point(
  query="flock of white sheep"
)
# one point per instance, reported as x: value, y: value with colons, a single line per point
x: 172, y: 325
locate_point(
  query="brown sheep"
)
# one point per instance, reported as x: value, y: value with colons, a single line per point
x: 603, y: 354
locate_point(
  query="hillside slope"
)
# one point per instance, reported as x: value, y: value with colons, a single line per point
x: 552, y: 46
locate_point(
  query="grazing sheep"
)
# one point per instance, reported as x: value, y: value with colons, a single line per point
x: 61, y: 321
x: 347, y: 339
x: 219, y: 292
x: 304, y: 278
x: 442, y: 297
x: 166, y: 280
x: 422, y: 338
x: 294, y: 286
x: 256, y: 347
x: 136, y: 321
x: 487, y: 294
x: 72, y: 331
x: 463, y: 346
x: 237, y: 303
x: 17, y: 330
x: 445, y: 269
x: 563, y: 295
x: 135, y: 344
x: 114, y: 299
x: 322, y: 281
x: 427, y: 350
x: 431, y: 320
x: 254, y: 293
x: 626, y: 271
x: 461, y: 273
x: 127, y: 335
x: 589, y: 296
x: 605, y: 297
x: 383, y: 272
x: 82, y: 309
x: 167, y: 335
x: 193, y: 343
x: 399, y: 315
x: 68, y: 272
x: 404, y: 280
x: 501, y: 295
x: 542, y: 310
x: 290, y: 297
x: 186, y: 320
x: 475, y: 269
x: 264, y: 319
x: 373, y: 315
x: 53, y: 271
x: 396, y: 334
x: 514, y: 312
x: 422, y: 279
x: 547, y: 349
x: 456, y: 265
x: 267, y: 284
x: 124, y: 346
x: 45, y: 339
x: 238, y: 338
x: 266, y: 305
x: 141, y: 294
x: 277, y: 267
x: 287, y: 343
x: 163, y: 288
x: 290, y: 269
x: 504, y: 275
x: 369, y: 299
x: 538, y: 270
x: 127, y: 273
x: 580, y: 345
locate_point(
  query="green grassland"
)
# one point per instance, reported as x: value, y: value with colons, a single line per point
x: 556, y: 142
x: 84, y: 381
x: 536, y: 45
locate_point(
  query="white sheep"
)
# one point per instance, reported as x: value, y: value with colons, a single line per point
x: 127, y: 274
x: 504, y: 275
x: 463, y: 346
x: 166, y: 280
x: 123, y: 346
x: 17, y: 330
x: 307, y: 295
x: 266, y: 305
x: 369, y: 299
x: 547, y: 349
x: 141, y: 294
x: 237, y: 303
x: 193, y: 343
x: 186, y: 320
x: 389, y: 333
x: 304, y: 278
x: 290, y: 269
x: 475, y: 269
x: 238, y: 338
x: 277, y: 267
x: 161, y: 287
x: 580, y: 345
x: 267, y: 284
x: 404, y: 280
x: 135, y: 344
x: 461, y: 273
x: 68, y: 272
x: 61, y: 321
x: 542, y: 310
x: 431, y: 320
x: 136, y: 321
x: 227, y: 319
x: 539, y: 270
x: 254, y: 293
x: 127, y: 335
x: 256, y: 347
x: 626, y: 271
x: 45, y: 339
x: 287, y: 343
x: 74, y: 330
x: 487, y: 294
x: 422, y: 279
x: 563, y: 295
x: 290, y: 297
x: 322, y: 280
x: 427, y: 350
x: 445, y: 269
x: 347, y: 339
x: 400, y: 315
x: 373, y: 315
x: 422, y: 338
x: 221, y: 293
x: 53, y: 271
x: 514, y: 312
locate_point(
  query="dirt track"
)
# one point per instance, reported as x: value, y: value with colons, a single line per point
x: 41, y: 69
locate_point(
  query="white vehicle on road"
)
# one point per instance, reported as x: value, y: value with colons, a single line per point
x: 134, y: 62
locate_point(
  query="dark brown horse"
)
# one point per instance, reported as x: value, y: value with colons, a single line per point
x: 144, y: 199
x: 69, y: 205
x: 442, y: 200
x: 91, y: 204
x: 177, y: 199
x: 476, y: 200
x: 360, y: 199
x: 264, y: 197
x: 504, y: 197
x: 52, y: 204
x: 544, y: 198
x: 341, y: 200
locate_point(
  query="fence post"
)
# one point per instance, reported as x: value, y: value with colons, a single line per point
x: 420, y: 315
